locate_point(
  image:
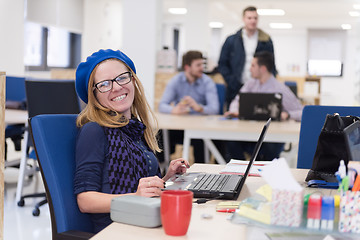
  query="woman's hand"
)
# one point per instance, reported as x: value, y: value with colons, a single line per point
x: 150, y: 186
x: 177, y: 166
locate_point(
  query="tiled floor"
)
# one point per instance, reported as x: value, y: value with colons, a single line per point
x: 19, y: 223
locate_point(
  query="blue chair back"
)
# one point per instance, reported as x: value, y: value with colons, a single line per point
x: 15, y: 89
x: 54, y: 137
x: 221, y: 94
x: 51, y: 96
x: 312, y: 121
x: 292, y: 85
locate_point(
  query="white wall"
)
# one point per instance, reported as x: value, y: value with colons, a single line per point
x: 12, y: 37
x: 67, y: 14
x: 102, y: 27
x: 141, y: 39
x: 290, y: 52
x: 196, y: 26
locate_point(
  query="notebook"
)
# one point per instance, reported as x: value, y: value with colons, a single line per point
x: 352, y: 138
x: 260, y: 106
x: 220, y: 186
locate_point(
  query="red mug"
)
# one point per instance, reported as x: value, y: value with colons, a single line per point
x: 175, y: 211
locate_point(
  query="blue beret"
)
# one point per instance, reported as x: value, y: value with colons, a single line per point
x: 85, y: 69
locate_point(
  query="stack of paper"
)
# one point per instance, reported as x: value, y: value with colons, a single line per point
x: 239, y: 167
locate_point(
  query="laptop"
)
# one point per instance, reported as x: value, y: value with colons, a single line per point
x: 260, y: 106
x: 352, y: 139
x: 219, y: 186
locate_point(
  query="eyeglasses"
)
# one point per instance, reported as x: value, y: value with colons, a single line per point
x: 107, y: 85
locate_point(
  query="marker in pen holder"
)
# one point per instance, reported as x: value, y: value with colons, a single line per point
x: 314, y: 212
x: 327, y: 213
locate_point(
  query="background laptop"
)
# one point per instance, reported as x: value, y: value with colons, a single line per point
x: 260, y: 106
x: 220, y: 186
x: 352, y: 138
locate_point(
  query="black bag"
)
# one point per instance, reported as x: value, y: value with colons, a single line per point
x: 331, y: 148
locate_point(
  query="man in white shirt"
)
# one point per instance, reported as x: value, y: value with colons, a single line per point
x: 238, y: 51
x: 264, y: 81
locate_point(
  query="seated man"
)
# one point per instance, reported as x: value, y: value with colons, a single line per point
x: 190, y: 92
x: 264, y: 82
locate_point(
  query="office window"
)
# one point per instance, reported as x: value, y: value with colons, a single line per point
x: 50, y: 47
x: 33, y: 43
x: 325, y: 68
x: 58, y: 48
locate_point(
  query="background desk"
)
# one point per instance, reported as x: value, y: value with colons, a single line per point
x: 214, y: 127
x: 15, y: 116
x: 218, y: 227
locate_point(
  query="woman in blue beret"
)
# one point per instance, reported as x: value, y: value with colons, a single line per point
x: 117, y: 141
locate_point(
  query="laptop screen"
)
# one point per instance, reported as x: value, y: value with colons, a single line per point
x: 257, y: 148
x: 352, y: 138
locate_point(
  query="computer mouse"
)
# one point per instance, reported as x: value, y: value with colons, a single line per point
x: 322, y: 184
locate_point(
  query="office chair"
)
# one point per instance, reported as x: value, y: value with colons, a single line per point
x: 312, y: 121
x: 46, y: 97
x: 54, y: 138
x: 221, y: 90
x: 15, y: 99
x: 293, y: 86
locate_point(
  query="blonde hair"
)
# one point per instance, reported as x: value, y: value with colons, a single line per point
x: 140, y: 109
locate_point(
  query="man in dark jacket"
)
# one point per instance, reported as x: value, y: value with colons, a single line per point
x: 238, y: 51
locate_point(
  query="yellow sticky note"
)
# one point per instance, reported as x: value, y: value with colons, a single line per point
x: 228, y: 205
x: 265, y: 191
x: 261, y: 215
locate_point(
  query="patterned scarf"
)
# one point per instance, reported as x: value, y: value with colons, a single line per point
x: 127, y: 164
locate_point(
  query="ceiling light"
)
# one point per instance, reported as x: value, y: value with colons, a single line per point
x: 271, y: 12
x: 346, y: 26
x: 281, y: 25
x: 356, y: 6
x: 216, y: 24
x: 354, y: 13
x: 177, y: 10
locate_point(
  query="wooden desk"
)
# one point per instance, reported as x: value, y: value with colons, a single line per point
x: 218, y: 227
x: 215, y: 128
x: 13, y: 116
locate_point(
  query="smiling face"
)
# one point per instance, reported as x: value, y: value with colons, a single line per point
x: 195, y: 69
x: 119, y: 98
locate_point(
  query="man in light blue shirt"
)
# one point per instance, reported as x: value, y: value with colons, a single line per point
x: 190, y: 92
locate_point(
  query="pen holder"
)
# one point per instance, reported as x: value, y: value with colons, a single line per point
x: 350, y: 212
x: 287, y: 207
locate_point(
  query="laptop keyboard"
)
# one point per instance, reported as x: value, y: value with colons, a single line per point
x: 209, y: 182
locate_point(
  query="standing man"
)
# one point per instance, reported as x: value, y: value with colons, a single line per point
x: 262, y: 66
x: 190, y: 92
x: 238, y: 51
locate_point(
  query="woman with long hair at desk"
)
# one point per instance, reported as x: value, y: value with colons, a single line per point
x: 117, y: 141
